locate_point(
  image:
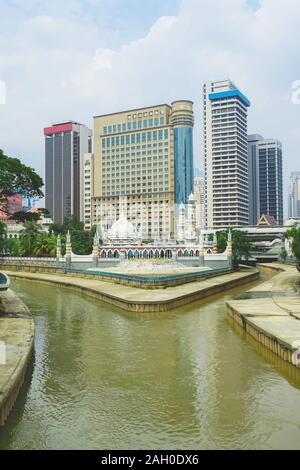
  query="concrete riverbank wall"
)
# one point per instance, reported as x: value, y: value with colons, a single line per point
x: 140, y: 300
x: 155, y: 280
x: 16, y: 348
x: 270, y: 312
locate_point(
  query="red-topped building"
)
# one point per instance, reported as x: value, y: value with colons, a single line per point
x: 65, y: 145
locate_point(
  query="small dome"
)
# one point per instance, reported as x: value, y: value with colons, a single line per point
x: 191, y: 197
x: 122, y: 229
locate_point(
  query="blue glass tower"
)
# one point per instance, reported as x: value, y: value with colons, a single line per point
x: 182, y: 119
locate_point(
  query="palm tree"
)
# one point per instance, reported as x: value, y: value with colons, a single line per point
x: 28, y: 238
x: 44, y: 245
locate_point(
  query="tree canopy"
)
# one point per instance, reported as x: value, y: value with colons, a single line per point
x: 22, y: 216
x: 15, y: 177
x: 82, y: 241
x: 241, y: 245
x: 294, y: 235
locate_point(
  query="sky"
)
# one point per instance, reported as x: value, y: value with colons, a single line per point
x: 74, y: 59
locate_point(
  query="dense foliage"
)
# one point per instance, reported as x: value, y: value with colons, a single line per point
x: 294, y: 235
x: 15, y: 178
x: 241, y: 245
x: 21, y: 216
x: 35, y: 242
x: 82, y: 241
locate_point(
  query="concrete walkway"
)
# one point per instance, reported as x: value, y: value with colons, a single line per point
x: 271, y: 311
x: 140, y: 300
x: 16, y: 345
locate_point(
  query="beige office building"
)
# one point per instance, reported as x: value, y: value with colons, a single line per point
x: 143, y: 161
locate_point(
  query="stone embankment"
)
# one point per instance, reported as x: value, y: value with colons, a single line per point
x: 16, y: 347
x: 270, y: 312
x: 140, y: 300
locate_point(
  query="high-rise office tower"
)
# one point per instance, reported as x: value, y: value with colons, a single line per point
x: 253, y: 178
x: 199, y: 193
x: 294, y: 195
x: 65, y: 146
x: 88, y: 182
x: 270, y: 178
x: 226, y: 155
x: 144, y: 157
x: 265, y: 178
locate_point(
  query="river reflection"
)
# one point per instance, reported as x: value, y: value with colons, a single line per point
x: 104, y: 378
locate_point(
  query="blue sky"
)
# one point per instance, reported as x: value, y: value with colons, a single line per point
x: 79, y: 58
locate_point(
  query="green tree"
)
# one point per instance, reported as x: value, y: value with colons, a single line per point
x: 12, y: 246
x: 15, y: 177
x: 44, y: 245
x: 294, y: 235
x: 241, y: 245
x: 283, y: 254
x: 82, y: 241
x: 22, y: 216
x: 28, y: 238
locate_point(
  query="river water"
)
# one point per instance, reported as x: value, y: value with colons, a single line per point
x: 103, y: 378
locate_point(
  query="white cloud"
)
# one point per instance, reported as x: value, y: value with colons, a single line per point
x: 59, y: 67
x: 102, y: 59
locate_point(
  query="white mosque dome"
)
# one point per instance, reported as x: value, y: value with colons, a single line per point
x: 122, y: 229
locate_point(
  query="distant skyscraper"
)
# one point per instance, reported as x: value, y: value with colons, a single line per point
x: 226, y: 155
x: 143, y: 156
x: 88, y: 182
x: 65, y: 146
x: 270, y: 178
x: 253, y: 177
x: 294, y: 196
x: 199, y: 193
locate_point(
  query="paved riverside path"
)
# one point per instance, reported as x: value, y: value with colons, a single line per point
x: 270, y: 312
x: 141, y: 300
x: 16, y: 345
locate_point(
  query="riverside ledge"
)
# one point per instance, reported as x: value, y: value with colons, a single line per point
x: 270, y: 312
x: 140, y: 300
x: 16, y: 347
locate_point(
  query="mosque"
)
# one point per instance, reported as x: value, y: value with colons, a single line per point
x: 123, y: 238
x: 123, y: 242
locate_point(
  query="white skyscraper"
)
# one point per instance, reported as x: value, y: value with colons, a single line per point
x: 294, y: 195
x: 199, y: 193
x: 226, y: 155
